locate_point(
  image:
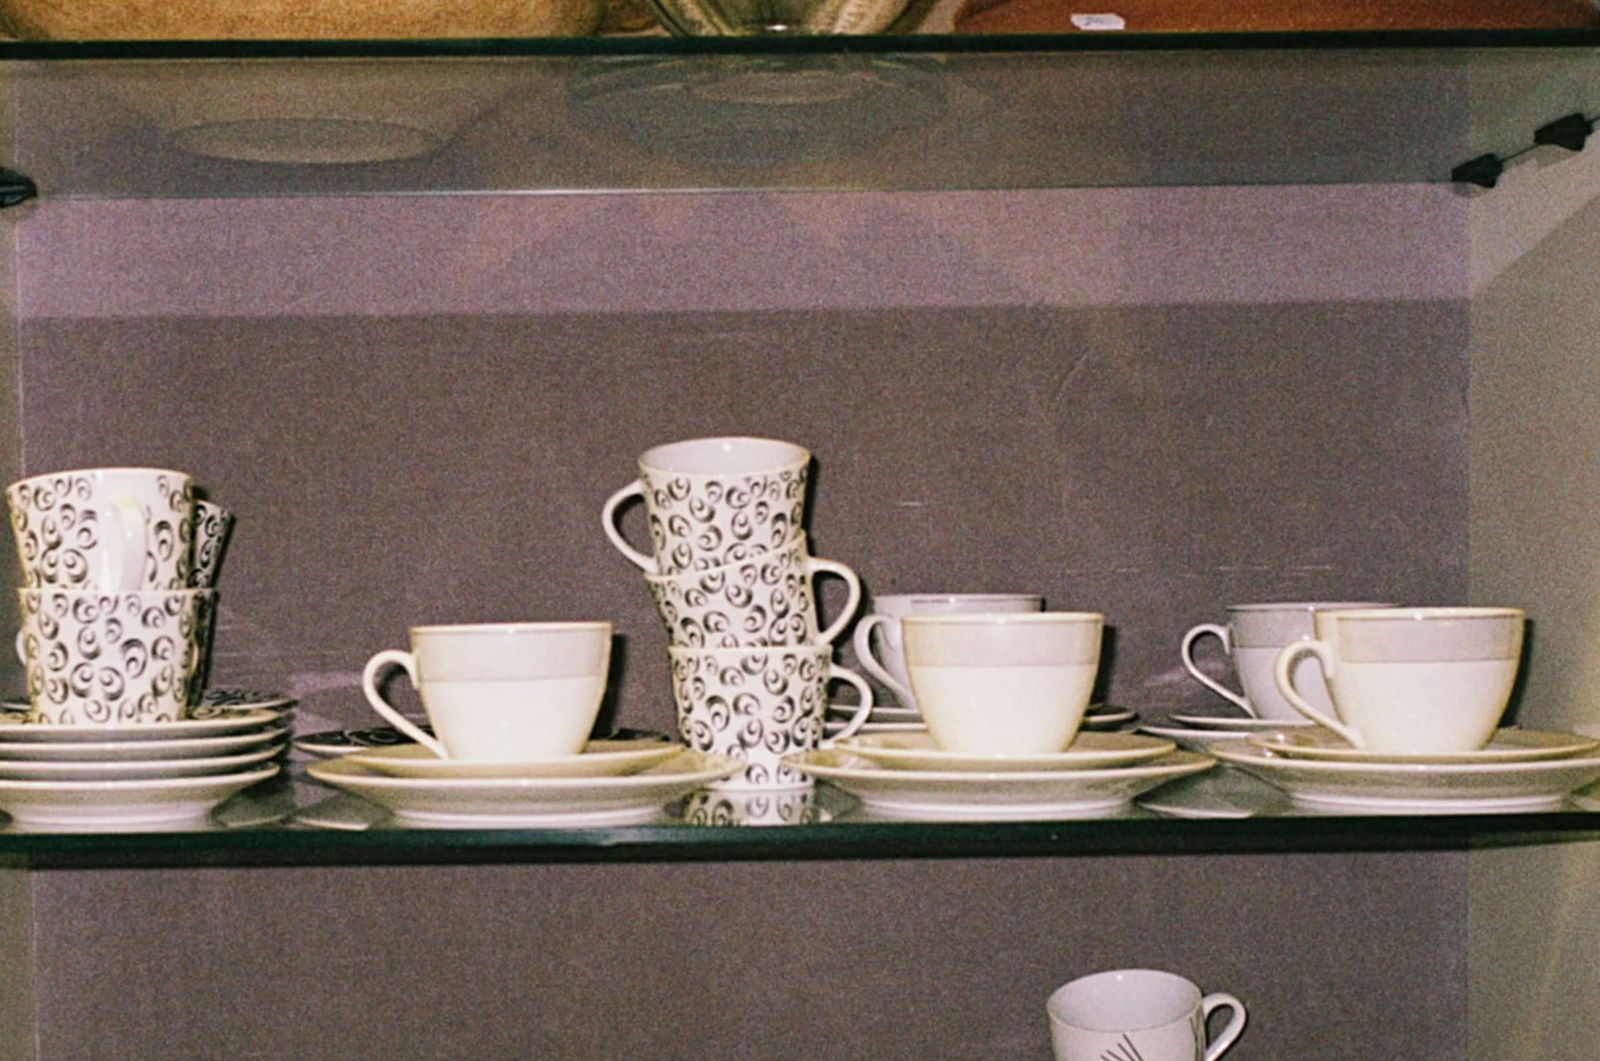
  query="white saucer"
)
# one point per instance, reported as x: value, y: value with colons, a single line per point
x: 1403, y: 788
x: 92, y: 805
x: 1090, y: 751
x: 12, y: 729
x: 1195, y: 740
x: 946, y: 795
x: 1507, y: 746
x: 332, y: 743
x: 832, y: 729
x: 1221, y: 793
x: 121, y: 751
x: 600, y: 758
x: 879, y: 713
x: 1238, y: 723
x: 1103, y: 717
x: 496, y: 803
x: 132, y: 770
x: 211, y: 701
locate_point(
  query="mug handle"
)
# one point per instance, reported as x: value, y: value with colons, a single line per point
x: 129, y: 543
x: 369, y: 685
x: 859, y: 719
x: 1231, y: 1031
x: 608, y: 520
x: 1186, y: 650
x: 1283, y: 674
x: 22, y: 647
x: 869, y: 662
x: 833, y: 567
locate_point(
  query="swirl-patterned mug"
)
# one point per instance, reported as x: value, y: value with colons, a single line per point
x: 767, y: 600
x: 107, y: 529
x: 713, y: 501
x: 758, y: 705
x: 212, y: 526
x: 104, y: 659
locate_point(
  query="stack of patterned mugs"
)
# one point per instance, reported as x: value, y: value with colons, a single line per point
x: 118, y: 602
x: 732, y: 576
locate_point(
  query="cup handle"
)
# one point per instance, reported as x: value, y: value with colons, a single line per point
x: 869, y: 662
x: 859, y: 719
x: 1186, y: 650
x: 608, y: 520
x: 128, y: 546
x: 22, y: 647
x: 1283, y: 674
x: 369, y: 685
x: 833, y: 567
x: 1231, y: 1031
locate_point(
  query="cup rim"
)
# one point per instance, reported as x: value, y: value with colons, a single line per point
x: 1053, y: 1004
x: 649, y: 459
x: 751, y: 650
x: 795, y: 541
x: 963, y: 597
x: 75, y: 591
x: 97, y: 471
x: 572, y: 626
x: 1423, y: 613
x: 1312, y: 606
x: 1003, y: 618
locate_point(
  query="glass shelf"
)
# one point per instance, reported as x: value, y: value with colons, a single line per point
x: 269, y: 825
x: 925, y: 113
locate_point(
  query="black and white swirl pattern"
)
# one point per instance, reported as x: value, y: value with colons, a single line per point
x: 109, y: 658
x: 754, y: 705
x: 212, y: 525
x: 709, y: 521
x: 63, y: 524
x: 762, y: 602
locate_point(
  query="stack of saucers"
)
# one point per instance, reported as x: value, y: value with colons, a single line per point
x: 118, y: 604
x: 732, y: 574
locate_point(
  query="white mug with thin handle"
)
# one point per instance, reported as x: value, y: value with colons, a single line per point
x: 1139, y: 1015
x: 884, y: 657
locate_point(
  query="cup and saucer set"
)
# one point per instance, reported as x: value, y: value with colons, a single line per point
x: 118, y: 606
x: 1375, y: 708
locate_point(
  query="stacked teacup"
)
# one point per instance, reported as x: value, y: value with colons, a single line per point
x: 732, y: 576
x: 117, y: 603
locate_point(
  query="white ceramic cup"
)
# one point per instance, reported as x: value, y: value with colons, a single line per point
x: 1013, y: 683
x: 758, y: 705
x: 713, y: 501
x: 885, y: 657
x: 1138, y: 1015
x: 1411, y: 680
x: 97, y: 658
x: 507, y: 692
x: 1252, y: 638
x: 108, y: 529
x: 768, y: 600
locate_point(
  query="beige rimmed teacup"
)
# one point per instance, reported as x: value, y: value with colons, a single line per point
x: 884, y: 658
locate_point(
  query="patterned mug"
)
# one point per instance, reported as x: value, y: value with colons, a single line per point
x: 108, y: 529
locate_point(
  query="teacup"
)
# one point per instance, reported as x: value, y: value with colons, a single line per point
x: 1003, y: 684
x: 888, y: 663
x: 107, y: 529
x: 713, y: 501
x: 1411, y: 680
x: 758, y: 705
x: 1139, y: 1015
x: 98, y: 658
x: 1253, y: 637
x: 767, y: 600
x: 508, y: 692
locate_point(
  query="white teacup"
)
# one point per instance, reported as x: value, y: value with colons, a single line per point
x: 767, y: 600
x: 1411, y: 680
x: 758, y: 705
x: 1253, y: 637
x: 713, y: 501
x: 1138, y: 1015
x: 107, y: 529
x: 888, y: 662
x: 1003, y: 684
x: 508, y: 692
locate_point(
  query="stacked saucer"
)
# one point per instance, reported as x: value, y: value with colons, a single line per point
x: 1198, y: 730
x: 892, y: 719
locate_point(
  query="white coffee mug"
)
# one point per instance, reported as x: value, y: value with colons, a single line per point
x: 766, y: 600
x: 1411, y: 680
x: 107, y: 529
x: 713, y: 501
x: 1252, y: 638
x: 1013, y: 683
x: 887, y: 662
x: 1139, y: 1015
x: 508, y: 692
x: 758, y: 705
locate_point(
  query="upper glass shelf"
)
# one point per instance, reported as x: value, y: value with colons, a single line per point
x: 622, y: 114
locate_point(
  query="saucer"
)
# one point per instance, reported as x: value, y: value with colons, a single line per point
x: 879, y: 713
x: 953, y: 795
x: 211, y: 701
x: 1507, y: 746
x: 11, y: 729
x: 600, y: 758
x: 133, y: 769
x: 91, y: 805
x: 332, y: 743
x: 833, y: 729
x: 1102, y: 717
x: 1404, y: 788
x: 1237, y: 723
x: 121, y: 751
x: 1089, y: 751
x: 1222, y: 793
x: 1195, y: 740
x: 507, y: 803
